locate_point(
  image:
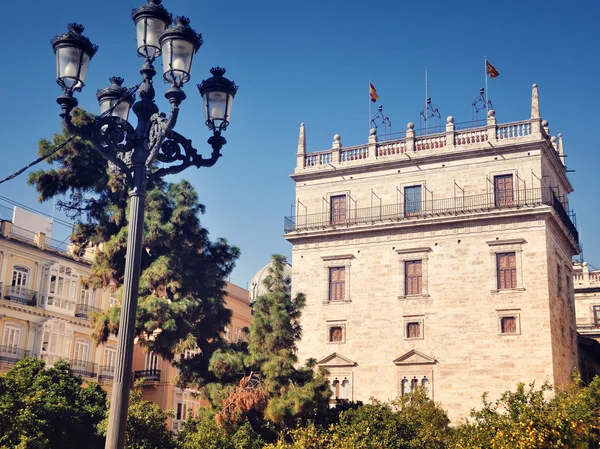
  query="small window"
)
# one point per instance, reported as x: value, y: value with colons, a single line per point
x: 413, y: 277
x: 596, y: 316
x: 338, y: 209
x: 503, y: 191
x: 340, y: 389
x: 113, y: 301
x: 336, y: 334
x: 508, y: 325
x: 506, y: 266
x: 337, y: 283
x: 412, y: 200
x: 413, y: 330
x: 425, y: 382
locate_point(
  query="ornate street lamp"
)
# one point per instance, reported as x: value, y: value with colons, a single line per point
x: 133, y: 152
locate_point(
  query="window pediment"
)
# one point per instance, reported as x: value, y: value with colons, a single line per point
x: 414, y: 357
x: 336, y: 360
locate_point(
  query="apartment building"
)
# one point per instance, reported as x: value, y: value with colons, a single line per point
x: 438, y: 259
x: 45, y: 309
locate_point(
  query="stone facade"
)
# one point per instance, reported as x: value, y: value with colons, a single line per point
x: 458, y: 205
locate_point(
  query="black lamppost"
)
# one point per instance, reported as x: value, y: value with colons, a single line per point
x: 132, y: 152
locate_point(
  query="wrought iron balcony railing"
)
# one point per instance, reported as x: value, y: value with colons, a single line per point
x: 150, y: 375
x: 429, y: 208
x: 84, y: 369
x: 106, y: 373
x: 20, y: 294
x: 11, y: 355
x: 84, y: 310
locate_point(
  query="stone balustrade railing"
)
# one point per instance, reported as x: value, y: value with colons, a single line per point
x: 450, y: 140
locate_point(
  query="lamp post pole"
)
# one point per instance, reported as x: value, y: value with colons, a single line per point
x: 134, y: 152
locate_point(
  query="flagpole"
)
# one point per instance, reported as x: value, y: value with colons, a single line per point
x: 426, y: 96
x: 487, y: 104
x: 370, y: 104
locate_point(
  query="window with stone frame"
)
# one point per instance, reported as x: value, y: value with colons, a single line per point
x: 413, y: 277
x: 503, y: 190
x: 597, y: 316
x: 336, y: 334
x: 337, y: 283
x: 506, y: 269
x: 412, y: 200
x: 340, y: 389
x: 337, y: 209
x: 413, y: 329
x: 508, y: 325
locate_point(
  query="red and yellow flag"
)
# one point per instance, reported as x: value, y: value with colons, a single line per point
x: 491, y: 70
x: 373, y: 93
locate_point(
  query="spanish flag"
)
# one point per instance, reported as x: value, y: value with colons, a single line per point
x: 373, y: 93
x: 491, y: 70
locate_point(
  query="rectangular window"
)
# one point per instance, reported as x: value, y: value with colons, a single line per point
x: 239, y: 335
x: 506, y: 266
x: 413, y: 277
x: 110, y: 356
x: 338, y: 209
x: 336, y: 334
x: 12, y: 337
x: 413, y: 330
x: 337, y: 284
x: 412, y: 200
x: 508, y: 325
x: 503, y: 190
x: 179, y: 410
x: 597, y: 316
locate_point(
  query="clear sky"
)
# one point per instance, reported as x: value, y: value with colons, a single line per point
x: 310, y: 62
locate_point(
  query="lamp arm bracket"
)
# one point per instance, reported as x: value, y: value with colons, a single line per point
x: 160, y: 128
x: 177, y: 148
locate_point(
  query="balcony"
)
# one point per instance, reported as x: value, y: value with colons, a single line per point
x: 150, y: 375
x: 84, y: 311
x: 20, y: 294
x: 444, y: 207
x: 10, y: 355
x: 84, y: 369
x: 106, y: 373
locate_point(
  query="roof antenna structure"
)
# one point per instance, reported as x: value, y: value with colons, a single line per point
x: 380, y: 119
x: 481, y: 103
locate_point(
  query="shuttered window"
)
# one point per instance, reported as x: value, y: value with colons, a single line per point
x: 413, y: 330
x: 336, y: 334
x: 412, y: 200
x: 506, y: 264
x: 503, y: 190
x: 337, y: 283
x: 413, y: 277
x: 338, y: 209
x: 508, y: 325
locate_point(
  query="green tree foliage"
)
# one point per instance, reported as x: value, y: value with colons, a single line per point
x: 47, y: 408
x: 180, y: 297
x: 411, y: 422
x: 262, y: 379
x: 535, y: 418
x: 205, y: 433
x: 146, y: 423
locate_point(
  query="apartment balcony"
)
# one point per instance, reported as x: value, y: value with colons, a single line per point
x: 20, y: 294
x: 84, y: 311
x: 150, y: 375
x: 10, y: 355
x: 84, y: 369
x: 106, y: 373
x: 458, y: 206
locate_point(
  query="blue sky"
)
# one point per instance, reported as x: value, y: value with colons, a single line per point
x: 310, y: 62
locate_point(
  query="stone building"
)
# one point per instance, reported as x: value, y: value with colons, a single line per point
x: 440, y: 259
x: 45, y: 311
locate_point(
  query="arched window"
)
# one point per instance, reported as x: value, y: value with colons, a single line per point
x: 414, y: 383
x: 404, y: 387
x: 11, y: 337
x: 425, y: 382
x: 20, y: 276
x: 81, y: 351
x: 345, y: 389
x: 335, y: 388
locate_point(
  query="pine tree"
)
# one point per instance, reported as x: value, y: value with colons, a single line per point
x: 269, y: 382
x: 180, y: 297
